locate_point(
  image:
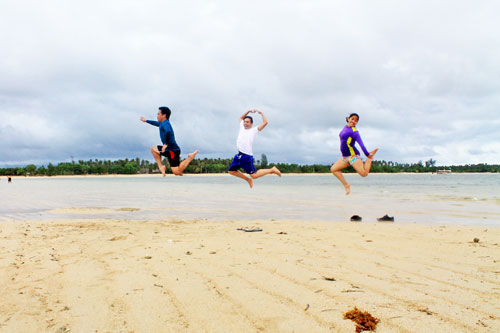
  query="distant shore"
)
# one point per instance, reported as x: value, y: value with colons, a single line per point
x: 226, y: 174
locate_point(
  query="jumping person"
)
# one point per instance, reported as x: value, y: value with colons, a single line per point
x: 169, y: 149
x: 350, y: 155
x: 244, y: 158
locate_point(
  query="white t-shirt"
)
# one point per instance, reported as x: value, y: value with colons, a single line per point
x: 245, y: 139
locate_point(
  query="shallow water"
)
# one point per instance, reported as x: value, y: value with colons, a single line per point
x: 472, y: 199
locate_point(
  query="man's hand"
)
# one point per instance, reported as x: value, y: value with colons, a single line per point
x: 143, y: 119
x: 163, y: 148
x: 246, y: 113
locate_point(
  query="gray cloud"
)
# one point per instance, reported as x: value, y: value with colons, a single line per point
x: 75, y: 78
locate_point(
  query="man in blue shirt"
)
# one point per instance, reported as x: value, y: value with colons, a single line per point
x: 169, y: 149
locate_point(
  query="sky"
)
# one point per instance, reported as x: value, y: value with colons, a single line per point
x: 76, y: 76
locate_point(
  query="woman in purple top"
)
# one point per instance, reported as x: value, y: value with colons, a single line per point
x: 350, y: 154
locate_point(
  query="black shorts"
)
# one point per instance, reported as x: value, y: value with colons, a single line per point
x: 173, y: 156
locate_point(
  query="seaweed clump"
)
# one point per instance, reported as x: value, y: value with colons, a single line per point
x: 364, y: 321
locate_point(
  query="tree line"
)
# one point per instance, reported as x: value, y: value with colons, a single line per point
x: 220, y: 165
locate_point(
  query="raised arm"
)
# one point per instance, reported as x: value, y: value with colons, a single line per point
x: 264, y: 120
x: 151, y: 122
x: 245, y: 114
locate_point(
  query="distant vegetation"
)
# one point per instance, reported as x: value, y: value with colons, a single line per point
x: 218, y: 165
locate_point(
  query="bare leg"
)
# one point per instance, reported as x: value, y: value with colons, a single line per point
x: 180, y: 169
x: 263, y: 172
x: 336, y: 170
x: 364, y: 168
x: 369, y: 160
x: 239, y: 174
x: 157, y: 156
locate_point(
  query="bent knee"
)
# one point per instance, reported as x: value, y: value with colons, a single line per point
x: 253, y: 175
x: 364, y: 174
x: 335, y: 170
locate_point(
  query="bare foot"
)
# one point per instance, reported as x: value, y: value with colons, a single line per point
x: 162, y: 170
x: 192, y: 155
x: 372, y: 153
x: 250, y: 182
x: 347, y: 189
x: 276, y: 171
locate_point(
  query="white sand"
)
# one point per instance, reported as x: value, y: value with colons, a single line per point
x: 201, y: 276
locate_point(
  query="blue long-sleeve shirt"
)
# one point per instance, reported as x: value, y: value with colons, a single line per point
x: 348, y: 137
x: 166, y: 134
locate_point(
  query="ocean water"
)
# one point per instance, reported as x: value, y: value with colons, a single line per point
x: 460, y: 199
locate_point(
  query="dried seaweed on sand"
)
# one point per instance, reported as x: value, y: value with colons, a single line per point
x: 364, y: 321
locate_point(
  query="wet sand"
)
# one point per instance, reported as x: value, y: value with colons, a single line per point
x: 98, y: 275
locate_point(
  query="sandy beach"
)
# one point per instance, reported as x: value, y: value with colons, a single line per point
x: 104, y: 275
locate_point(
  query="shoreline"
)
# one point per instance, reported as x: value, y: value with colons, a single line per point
x: 437, y: 200
x: 196, y: 275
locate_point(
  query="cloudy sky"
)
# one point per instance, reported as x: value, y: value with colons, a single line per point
x: 75, y: 76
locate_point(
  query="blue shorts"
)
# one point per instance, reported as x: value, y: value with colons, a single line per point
x: 243, y: 161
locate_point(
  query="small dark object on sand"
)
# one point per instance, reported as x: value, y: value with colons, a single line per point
x: 386, y: 218
x: 250, y: 229
x: 364, y: 321
x: 476, y: 240
x: 356, y: 218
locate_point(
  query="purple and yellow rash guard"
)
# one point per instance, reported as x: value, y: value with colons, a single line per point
x: 348, y: 137
x: 166, y: 134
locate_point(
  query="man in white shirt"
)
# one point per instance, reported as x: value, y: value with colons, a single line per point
x: 244, y: 158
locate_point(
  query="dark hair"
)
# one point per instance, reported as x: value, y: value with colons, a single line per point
x: 352, y: 114
x: 166, y: 111
x: 251, y: 119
